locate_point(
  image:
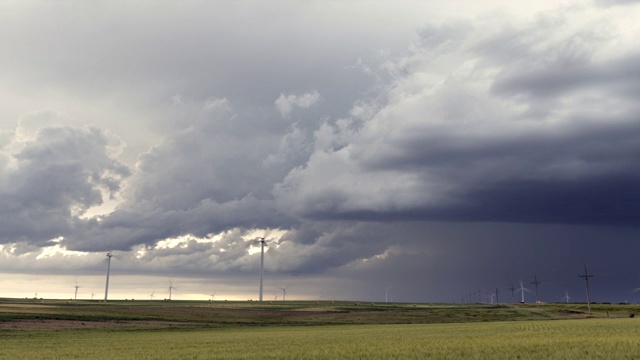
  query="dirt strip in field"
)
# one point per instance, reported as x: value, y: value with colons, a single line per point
x: 75, y: 324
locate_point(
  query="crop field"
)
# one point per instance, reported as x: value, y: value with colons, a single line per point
x: 307, y: 330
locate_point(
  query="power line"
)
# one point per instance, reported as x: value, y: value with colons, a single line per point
x: 513, y: 294
x: 536, y: 282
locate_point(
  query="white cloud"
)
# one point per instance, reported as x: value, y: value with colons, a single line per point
x: 286, y: 103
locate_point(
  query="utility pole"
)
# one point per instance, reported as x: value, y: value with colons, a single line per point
x: 536, y: 282
x: 586, y: 277
x: 513, y: 295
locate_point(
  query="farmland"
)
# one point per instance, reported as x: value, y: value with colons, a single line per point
x: 31, y: 329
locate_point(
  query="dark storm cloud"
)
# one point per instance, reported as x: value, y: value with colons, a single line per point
x: 621, y: 75
x: 444, y: 261
x: 313, y: 248
x: 435, y: 171
x: 582, y: 176
x: 464, y: 145
x: 209, y: 177
x: 54, y: 178
x: 451, y: 141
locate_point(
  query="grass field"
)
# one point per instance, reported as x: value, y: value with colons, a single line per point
x: 562, y: 339
x: 305, y: 330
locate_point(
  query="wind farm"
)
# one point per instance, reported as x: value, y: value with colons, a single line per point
x: 201, y: 318
x: 306, y: 290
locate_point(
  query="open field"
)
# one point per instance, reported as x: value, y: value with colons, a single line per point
x: 564, y: 339
x: 31, y: 329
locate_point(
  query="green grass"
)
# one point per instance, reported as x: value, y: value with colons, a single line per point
x: 53, y: 329
x: 561, y: 339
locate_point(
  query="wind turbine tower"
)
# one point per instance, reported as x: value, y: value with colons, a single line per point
x: 566, y: 296
x: 284, y: 294
x: 262, y: 245
x: 522, y: 289
x: 106, y: 287
x: 170, y: 289
x: 76, y: 295
x: 386, y: 292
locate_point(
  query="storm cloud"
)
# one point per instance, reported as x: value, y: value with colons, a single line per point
x: 413, y: 153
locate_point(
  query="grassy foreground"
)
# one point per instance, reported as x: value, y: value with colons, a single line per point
x: 54, y: 329
x: 561, y: 339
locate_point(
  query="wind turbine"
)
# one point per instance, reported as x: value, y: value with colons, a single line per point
x: 566, y: 296
x: 263, y: 243
x: 386, y: 293
x: 213, y: 295
x: 106, y: 287
x: 76, y: 295
x: 284, y: 293
x: 92, y: 294
x: 522, y: 289
x: 153, y: 292
x: 491, y: 297
x: 170, y: 288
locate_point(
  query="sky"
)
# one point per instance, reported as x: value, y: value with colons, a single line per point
x: 409, y: 151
